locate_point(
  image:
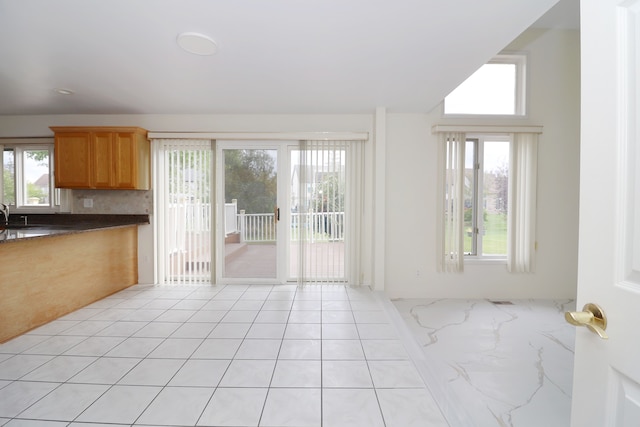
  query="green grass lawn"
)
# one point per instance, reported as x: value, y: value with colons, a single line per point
x: 495, y: 235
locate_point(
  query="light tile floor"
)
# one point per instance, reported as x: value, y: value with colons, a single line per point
x: 218, y: 356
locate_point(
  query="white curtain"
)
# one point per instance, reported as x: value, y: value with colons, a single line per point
x: 450, y: 209
x: 521, y: 224
x: 328, y: 213
x: 183, y: 210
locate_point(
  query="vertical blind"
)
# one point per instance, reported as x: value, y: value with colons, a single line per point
x: 329, y: 209
x: 184, y: 208
x: 449, y: 232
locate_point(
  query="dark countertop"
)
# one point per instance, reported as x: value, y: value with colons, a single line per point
x: 45, y: 225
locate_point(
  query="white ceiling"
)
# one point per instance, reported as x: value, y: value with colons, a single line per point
x: 275, y: 56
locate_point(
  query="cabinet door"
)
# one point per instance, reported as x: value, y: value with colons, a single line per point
x: 125, y: 160
x: 72, y: 160
x: 103, y: 170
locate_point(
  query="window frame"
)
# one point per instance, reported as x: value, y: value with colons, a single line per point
x: 518, y: 59
x: 479, y: 199
x: 19, y: 146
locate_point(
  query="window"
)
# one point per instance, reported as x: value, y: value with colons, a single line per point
x: 27, y: 178
x: 497, y: 88
x: 486, y: 193
x: 486, y: 196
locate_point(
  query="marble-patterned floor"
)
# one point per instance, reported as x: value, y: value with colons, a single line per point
x: 501, y: 363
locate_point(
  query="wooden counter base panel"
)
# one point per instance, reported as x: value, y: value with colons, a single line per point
x: 43, y: 279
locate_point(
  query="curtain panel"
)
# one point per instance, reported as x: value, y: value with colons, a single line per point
x: 450, y: 202
x: 521, y: 222
x: 330, y: 191
x: 184, y: 215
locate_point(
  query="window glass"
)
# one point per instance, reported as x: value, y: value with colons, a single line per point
x: 36, y: 189
x: 9, y: 177
x: 486, y: 191
x: 497, y: 88
x: 495, y: 197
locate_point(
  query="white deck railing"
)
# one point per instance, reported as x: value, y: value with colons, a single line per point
x: 254, y: 228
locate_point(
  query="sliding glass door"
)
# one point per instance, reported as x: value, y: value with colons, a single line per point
x: 249, y: 231
x: 255, y: 212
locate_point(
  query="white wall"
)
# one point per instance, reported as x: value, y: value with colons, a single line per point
x: 553, y: 59
x: 410, y: 169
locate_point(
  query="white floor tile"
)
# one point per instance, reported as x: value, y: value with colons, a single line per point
x: 176, y: 348
x: 55, y: 345
x: 135, y: 347
x: 234, y: 355
x: 266, y: 330
x: 157, y: 330
x: 248, y: 373
x: 252, y: 305
x: 87, y: 327
x: 121, y: 329
x: 208, y: 316
x: 152, y: 372
x: 20, y: 365
x: 33, y: 423
x: 303, y: 331
x: 300, y: 349
x: 230, y: 330
x: 339, y: 331
x: 19, y: 395
x: 297, y: 373
x: 342, y: 350
x: 94, y: 346
x: 346, y: 374
x: 371, y: 331
x: 175, y: 316
x: 65, y: 403
x: 105, y: 370
x: 200, y: 373
x: 59, y: 369
x: 395, y: 374
x: 305, y: 316
x: 258, y: 349
x: 337, y: 316
x: 240, y: 316
x: 370, y: 317
x: 410, y: 408
x: 120, y: 404
x: 384, y: 350
x: 22, y: 343
x: 272, y: 316
x: 234, y: 407
x: 299, y: 407
x: 194, y: 330
x: 217, y: 349
x: 176, y: 406
x: 351, y: 408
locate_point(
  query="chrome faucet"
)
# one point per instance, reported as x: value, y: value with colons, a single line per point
x: 5, y: 211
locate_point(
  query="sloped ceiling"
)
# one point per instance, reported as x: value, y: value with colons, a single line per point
x: 274, y: 56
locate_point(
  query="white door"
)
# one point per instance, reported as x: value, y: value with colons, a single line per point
x: 606, y: 388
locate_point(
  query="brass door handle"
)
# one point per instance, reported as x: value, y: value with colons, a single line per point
x: 592, y: 317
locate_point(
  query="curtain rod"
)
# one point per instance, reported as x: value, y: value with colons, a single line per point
x: 286, y: 136
x: 486, y: 129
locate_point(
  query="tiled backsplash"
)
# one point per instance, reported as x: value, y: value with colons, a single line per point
x: 128, y: 202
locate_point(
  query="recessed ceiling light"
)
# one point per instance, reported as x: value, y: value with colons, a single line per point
x: 61, y: 91
x: 197, y: 43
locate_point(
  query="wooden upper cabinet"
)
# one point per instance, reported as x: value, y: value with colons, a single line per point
x: 105, y: 158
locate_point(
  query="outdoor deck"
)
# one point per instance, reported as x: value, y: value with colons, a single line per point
x: 249, y: 260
